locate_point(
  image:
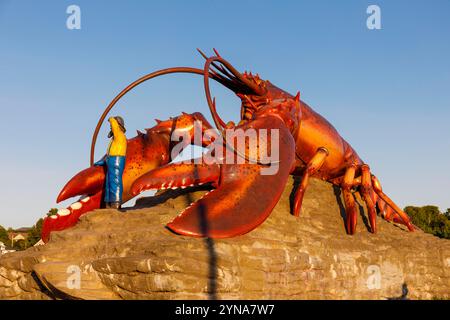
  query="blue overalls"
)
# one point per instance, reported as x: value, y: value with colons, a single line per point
x: 113, y: 181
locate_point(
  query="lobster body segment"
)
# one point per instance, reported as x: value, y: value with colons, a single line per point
x: 316, y: 132
x: 321, y: 152
x: 242, y: 197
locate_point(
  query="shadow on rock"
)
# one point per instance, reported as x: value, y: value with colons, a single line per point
x: 404, y: 295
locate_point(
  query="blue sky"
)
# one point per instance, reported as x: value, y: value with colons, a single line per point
x: 386, y: 91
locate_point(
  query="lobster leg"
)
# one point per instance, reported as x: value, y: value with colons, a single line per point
x: 381, y: 205
x: 313, y: 166
x: 399, y: 215
x: 375, y: 200
x: 349, y: 200
x: 387, y: 212
x: 366, y: 190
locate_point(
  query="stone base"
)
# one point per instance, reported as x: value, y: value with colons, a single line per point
x: 131, y: 255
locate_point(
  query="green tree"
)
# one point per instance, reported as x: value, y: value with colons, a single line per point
x: 430, y: 220
x: 52, y: 211
x: 4, y: 235
x: 447, y: 213
x: 34, y: 235
x: 20, y: 245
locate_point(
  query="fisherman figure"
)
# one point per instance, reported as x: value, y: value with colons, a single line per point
x: 114, y: 160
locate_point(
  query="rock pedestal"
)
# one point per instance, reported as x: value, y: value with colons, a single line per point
x: 129, y: 254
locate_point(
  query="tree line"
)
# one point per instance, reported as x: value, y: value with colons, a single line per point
x: 33, y: 236
x: 431, y: 220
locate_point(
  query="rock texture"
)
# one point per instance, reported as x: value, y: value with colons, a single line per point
x: 130, y: 255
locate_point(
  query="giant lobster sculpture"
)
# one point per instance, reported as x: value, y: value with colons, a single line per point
x: 241, y: 197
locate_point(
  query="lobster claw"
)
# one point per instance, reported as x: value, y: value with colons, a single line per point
x: 66, y: 218
x: 87, y: 183
x: 145, y: 152
x: 244, y: 198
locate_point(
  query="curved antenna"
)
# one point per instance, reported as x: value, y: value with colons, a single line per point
x: 231, y: 76
x: 138, y: 82
x: 220, y: 124
x: 240, y: 83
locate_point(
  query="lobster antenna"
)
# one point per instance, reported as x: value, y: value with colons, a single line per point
x: 222, y: 123
x: 231, y: 78
x: 217, y: 53
x: 211, y: 103
x: 203, y: 55
x: 212, y: 106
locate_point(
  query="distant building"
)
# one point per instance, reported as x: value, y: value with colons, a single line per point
x: 18, y: 235
x: 3, y: 249
x: 22, y: 230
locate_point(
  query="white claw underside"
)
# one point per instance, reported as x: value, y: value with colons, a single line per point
x: 193, y: 203
x: 171, y: 185
x: 86, y: 199
x: 63, y: 212
x: 73, y: 206
x: 76, y: 205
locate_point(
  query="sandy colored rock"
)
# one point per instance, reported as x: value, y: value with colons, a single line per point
x: 131, y: 255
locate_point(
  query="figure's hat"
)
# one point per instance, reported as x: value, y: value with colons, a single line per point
x: 121, y: 123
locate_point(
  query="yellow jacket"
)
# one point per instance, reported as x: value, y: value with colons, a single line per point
x: 118, y: 144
